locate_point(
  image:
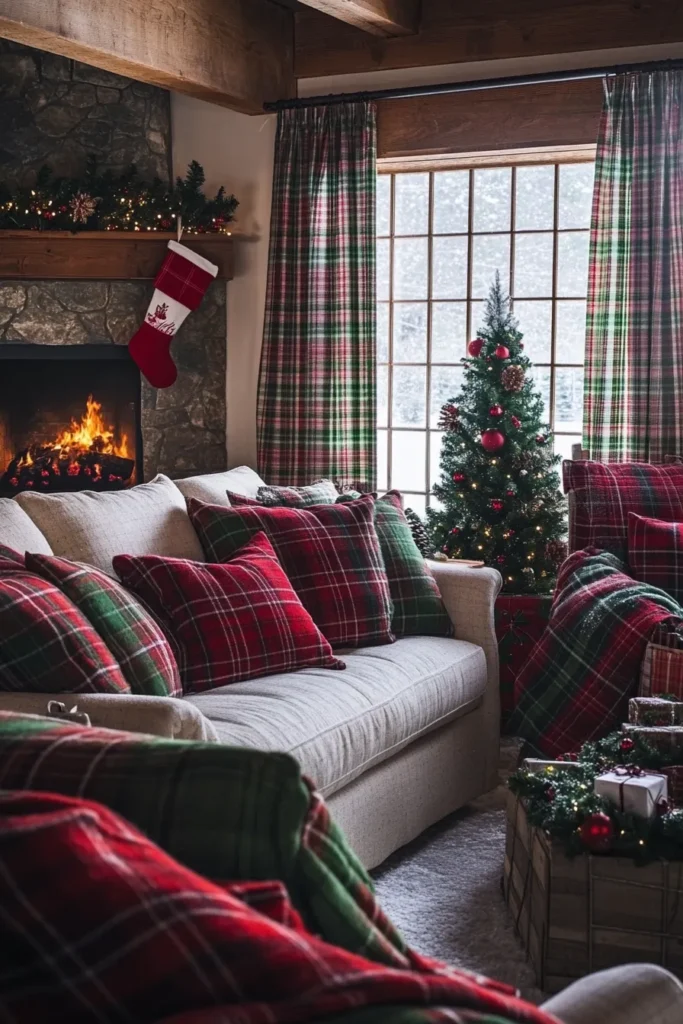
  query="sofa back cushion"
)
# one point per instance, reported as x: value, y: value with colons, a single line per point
x: 213, y: 487
x: 91, y: 527
x: 129, y: 631
x: 603, y: 494
x: 233, y: 621
x: 47, y: 645
x: 18, y: 531
x: 655, y: 553
x: 331, y: 554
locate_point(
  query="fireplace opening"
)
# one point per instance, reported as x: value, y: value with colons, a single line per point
x: 69, y: 419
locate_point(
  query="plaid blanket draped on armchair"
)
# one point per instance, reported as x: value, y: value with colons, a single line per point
x: 283, y: 926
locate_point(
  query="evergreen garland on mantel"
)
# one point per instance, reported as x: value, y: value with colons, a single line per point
x: 109, y: 202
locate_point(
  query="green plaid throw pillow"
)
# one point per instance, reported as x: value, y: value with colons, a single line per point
x: 131, y: 634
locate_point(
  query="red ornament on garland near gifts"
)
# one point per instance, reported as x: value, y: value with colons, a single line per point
x: 597, y: 832
x: 515, y: 422
x: 626, y: 745
x: 502, y: 352
x: 496, y: 410
x: 475, y: 347
x: 549, y: 793
x: 492, y: 440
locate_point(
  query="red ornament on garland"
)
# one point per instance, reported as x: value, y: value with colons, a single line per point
x: 502, y: 352
x: 492, y: 440
x: 475, y: 347
x: 496, y: 410
x: 515, y: 422
x: 549, y: 793
x: 459, y: 478
x: 626, y: 745
x: 597, y: 832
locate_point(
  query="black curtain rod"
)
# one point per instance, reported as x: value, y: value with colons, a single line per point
x: 409, y: 92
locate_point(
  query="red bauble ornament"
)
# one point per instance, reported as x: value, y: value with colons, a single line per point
x: 492, y: 440
x: 455, y: 530
x: 515, y: 422
x: 597, y: 832
x: 549, y: 793
x: 626, y: 745
x: 496, y: 410
x: 510, y: 494
x: 459, y: 478
x: 541, y: 439
x: 475, y: 347
x: 501, y: 559
x: 496, y: 504
x: 502, y: 352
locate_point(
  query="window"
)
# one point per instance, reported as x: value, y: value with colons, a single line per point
x: 442, y: 235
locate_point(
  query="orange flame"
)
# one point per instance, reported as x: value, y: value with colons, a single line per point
x: 92, y: 432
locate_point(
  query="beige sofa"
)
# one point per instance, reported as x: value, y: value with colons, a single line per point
x: 406, y: 734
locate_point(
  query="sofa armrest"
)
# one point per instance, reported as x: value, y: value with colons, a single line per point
x: 469, y: 596
x: 170, y: 717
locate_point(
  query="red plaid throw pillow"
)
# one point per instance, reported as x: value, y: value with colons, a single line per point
x: 233, y: 621
x: 47, y: 645
x: 10, y: 559
x: 605, y: 493
x: 655, y: 553
x: 330, y: 553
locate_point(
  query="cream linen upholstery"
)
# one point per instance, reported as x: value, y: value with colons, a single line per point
x: 157, y: 716
x: 212, y: 487
x: 18, y: 531
x: 339, y: 724
x: 631, y: 994
x: 91, y: 527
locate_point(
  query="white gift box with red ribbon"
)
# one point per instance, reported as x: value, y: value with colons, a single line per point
x: 633, y: 790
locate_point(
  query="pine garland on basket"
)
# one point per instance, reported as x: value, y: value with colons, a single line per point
x: 559, y: 798
x: 108, y: 202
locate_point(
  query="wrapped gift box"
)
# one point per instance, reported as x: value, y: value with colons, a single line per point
x: 636, y: 794
x: 667, y: 739
x: 520, y: 621
x: 654, y: 711
x: 662, y: 668
x: 674, y: 778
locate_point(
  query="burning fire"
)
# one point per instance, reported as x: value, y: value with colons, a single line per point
x: 92, y: 433
x: 88, y: 448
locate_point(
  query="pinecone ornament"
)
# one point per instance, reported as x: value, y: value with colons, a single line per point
x: 448, y: 420
x: 512, y: 378
x: 82, y: 207
x: 417, y: 528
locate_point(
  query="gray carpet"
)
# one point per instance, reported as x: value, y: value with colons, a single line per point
x: 443, y: 891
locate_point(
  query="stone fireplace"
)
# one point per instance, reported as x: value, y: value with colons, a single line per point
x: 58, y: 111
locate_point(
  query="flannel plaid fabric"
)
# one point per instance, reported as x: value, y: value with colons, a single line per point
x: 576, y: 683
x: 655, y: 553
x: 231, y: 622
x: 9, y: 558
x: 131, y: 934
x: 634, y: 342
x: 183, y: 280
x: 606, y: 494
x: 330, y: 553
x: 47, y: 645
x: 661, y: 671
x: 131, y: 634
x: 316, y: 405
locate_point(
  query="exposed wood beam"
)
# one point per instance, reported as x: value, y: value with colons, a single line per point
x: 457, y: 32
x: 521, y: 117
x: 379, y: 17
x: 231, y: 52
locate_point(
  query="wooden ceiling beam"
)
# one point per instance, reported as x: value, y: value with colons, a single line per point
x: 229, y: 52
x: 462, y: 32
x: 379, y: 17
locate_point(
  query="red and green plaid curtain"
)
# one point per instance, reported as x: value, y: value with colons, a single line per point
x: 316, y: 405
x: 633, y: 408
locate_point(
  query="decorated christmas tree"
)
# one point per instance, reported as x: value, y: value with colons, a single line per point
x: 499, y: 490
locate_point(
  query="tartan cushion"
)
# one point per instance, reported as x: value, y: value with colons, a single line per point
x: 47, y: 645
x: 9, y: 558
x: 605, y: 493
x: 131, y: 634
x: 577, y: 680
x: 130, y: 934
x: 655, y: 553
x: 233, y: 621
x: 331, y: 554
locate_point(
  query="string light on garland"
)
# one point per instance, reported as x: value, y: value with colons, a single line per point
x: 107, y: 202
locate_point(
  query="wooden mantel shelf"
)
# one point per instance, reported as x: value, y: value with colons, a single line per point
x: 101, y: 255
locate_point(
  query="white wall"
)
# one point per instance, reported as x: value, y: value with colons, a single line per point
x: 235, y: 150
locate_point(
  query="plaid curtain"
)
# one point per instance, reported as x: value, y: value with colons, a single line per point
x: 316, y: 403
x: 633, y: 408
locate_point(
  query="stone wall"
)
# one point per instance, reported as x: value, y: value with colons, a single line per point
x: 58, y: 111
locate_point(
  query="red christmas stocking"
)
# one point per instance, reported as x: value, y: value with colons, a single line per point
x: 178, y: 288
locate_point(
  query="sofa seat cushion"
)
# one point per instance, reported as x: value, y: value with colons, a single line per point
x: 93, y: 527
x: 337, y: 725
x: 18, y: 531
